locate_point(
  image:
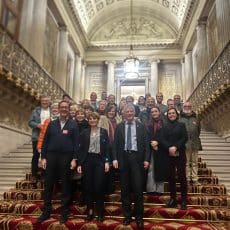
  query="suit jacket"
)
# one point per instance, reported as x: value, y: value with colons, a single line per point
x: 60, y: 141
x: 85, y: 142
x: 143, y: 150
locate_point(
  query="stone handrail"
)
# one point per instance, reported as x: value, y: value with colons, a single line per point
x: 215, y: 82
x: 20, y: 68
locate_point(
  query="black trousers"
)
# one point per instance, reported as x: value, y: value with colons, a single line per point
x: 58, y: 166
x: 35, y: 159
x: 179, y: 164
x: 131, y: 178
x: 94, y: 174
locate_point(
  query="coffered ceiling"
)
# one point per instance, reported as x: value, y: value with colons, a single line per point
x: 108, y: 22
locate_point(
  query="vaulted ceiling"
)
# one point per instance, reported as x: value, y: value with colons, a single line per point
x: 108, y: 22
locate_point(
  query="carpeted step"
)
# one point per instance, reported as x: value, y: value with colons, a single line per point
x: 192, y: 199
x: 75, y: 222
x: 213, y: 188
x: 115, y: 210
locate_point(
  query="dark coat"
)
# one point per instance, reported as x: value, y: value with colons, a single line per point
x: 143, y: 150
x: 160, y: 156
x: 82, y: 125
x: 174, y: 134
x: 85, y: 142
x: 59, y: 140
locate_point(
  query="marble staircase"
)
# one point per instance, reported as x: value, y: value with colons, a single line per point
x: 14, y: 166
x: 216, y: 154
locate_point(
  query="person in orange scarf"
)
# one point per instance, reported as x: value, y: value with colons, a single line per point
x: 54, y: 115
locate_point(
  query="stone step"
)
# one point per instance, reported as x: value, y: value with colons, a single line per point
x: 8, y: 183
x: 23, y: 150
x: 208, y: 152
x: 14, y: 165
x: 26, y: 146
x: 16, y: 160
x: 216, y: 144
x: 18, y: 155
x: 223, y: 174
x: 216, y: 169
x: 209, y: 135
x: 7, y: 172
x: 215, y: 158
x: 11, y: 179
x: 216, y: 148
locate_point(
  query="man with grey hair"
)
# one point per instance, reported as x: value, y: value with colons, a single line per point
x: 132, y: 156
x: 37, y: 118
x: 193, y: 144
x: 163, y: 108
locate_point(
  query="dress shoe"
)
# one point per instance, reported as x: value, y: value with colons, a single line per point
x: 100, y: 218
x: 44, y: 216
x: 183, y: 205
x: 140, y: 223
x: 89, y: 217
x: 172, y: 203
x: 63, y: 218
x: 127, y: 221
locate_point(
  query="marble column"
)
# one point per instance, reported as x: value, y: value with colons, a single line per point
x: 37, y: 31
x: 183, y: 80
x: 110, y: 77
x: 61, y: 61
x: 202, y: 51
x: 223, y: 22
x: 26, y: 24
x: 153, y: 86
x: 83, y: 80
x: 77, y: 79
x: 189, y: 83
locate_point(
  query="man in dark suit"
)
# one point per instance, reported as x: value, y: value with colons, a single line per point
x: 59, y: 154
x: 132, y: 156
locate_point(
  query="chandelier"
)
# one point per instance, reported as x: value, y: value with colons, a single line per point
x: 131, y: 63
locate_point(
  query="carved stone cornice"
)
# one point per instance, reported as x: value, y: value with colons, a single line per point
x: 69, y: 6
x: 187, y: 20
x: 137, y: 45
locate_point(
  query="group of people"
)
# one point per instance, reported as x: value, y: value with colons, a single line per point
x: 148, y: 143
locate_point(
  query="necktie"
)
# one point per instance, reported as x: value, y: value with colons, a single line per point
x: 129, y: 138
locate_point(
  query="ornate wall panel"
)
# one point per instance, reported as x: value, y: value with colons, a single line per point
x: 212, y: 35
x: 50, y: 46
x: 170, y: 80
x: 96, y: 79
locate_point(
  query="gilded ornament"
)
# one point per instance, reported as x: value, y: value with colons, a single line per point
x: 9, y: 76
x: 18, y: 82
x: 32, y: 92
x: 26, y: 87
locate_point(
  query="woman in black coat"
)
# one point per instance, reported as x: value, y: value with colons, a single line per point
x: 158, y: 171
x: 93, y: 162
x: 173, y: 139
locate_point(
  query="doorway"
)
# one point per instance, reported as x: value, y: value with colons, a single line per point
x: 133, y: 88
